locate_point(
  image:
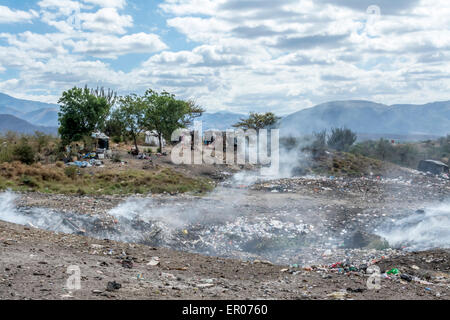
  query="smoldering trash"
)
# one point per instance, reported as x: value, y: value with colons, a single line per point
x: 237, y: 221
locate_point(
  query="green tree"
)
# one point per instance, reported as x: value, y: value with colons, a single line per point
x: 165, y: 113
x: 384, y: 149
x: 110, y: 96
x: 258, y: 121
x: 114, y: 127
x: 131, y: 114
x: 81, y: 113
x: 341, y: 139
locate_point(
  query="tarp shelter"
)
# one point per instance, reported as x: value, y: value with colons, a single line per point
x: 102, y: 141
x: 152, y: 139
x: 434, y: 167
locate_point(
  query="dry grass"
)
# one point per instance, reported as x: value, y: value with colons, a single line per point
x: 58, y: 179
x: 347, y: 164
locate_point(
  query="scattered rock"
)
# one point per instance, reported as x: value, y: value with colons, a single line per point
x: 113, y: 286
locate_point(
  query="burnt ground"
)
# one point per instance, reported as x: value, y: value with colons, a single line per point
x: 34, y: 262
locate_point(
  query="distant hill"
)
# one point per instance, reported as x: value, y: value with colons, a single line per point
x: 371, y: 118
x: 12, y: 123
x: 42, y: 117
x: 37, y: 113
x: 220, y: 120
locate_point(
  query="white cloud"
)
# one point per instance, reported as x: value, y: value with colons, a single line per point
x: 106, y: 20
x: 112, y: 46
x: 108, y: 3
x: 244, y: 54
x: 16, y: 16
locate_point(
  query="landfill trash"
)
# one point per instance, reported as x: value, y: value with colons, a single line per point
x: 338, y: 295
x: 113, y: 286
x: 358, y: 290
x: 80, y: 164
x: 393, y: 271
x: 205, y: 285
x: 415, y: 267
x: 406, y: 277
x: 127, y: 263
x: 154, y: 261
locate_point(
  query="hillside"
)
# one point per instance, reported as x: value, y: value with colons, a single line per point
x: 37, y: 113
x: 220, y: 120
x: 371, y: 118
x: 11, y: 123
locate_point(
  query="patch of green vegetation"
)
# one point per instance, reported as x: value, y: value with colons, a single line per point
x: 347, y: 164
x: 54, y: 179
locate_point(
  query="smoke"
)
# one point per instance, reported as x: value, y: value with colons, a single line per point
x: 34, y: 217
x: 422, y: 230
x: 8, y: 210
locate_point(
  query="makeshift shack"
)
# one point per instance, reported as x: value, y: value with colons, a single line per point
x: 433, y: 166
x: 152, y: 139
x: 101, y: 143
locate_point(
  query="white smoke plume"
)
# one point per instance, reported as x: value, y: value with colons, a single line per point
x: 422, y: 230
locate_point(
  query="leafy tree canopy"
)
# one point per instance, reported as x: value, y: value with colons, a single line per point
x: 258, y: 121
x: 131, y: 116
x: 81, y: 113
x: 165, y: 113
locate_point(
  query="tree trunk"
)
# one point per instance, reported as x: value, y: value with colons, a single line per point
x: 136, y: 144
x: 160, y: 142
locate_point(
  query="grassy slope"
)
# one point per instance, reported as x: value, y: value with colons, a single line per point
x: 347, y: 164
x: 53, y: 179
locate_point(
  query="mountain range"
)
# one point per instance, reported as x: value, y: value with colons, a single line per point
x: 37, y: 113
x: 12, y: 123
x: 368, y: 119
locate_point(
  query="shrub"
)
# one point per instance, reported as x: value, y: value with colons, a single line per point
x: 71, y: 172
x: 29, y: 181
x: 24, y: 153
x: 116, y: 157
x: 341, y: 139
x: 6, y: 154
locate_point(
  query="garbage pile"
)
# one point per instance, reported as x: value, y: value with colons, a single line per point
x: 415, y: 185
x: 86, y: 164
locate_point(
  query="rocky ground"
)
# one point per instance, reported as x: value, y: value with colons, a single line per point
x: 302, y: 238
x: 34, y: 265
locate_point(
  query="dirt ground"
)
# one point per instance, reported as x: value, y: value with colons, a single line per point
x: 34, y: 265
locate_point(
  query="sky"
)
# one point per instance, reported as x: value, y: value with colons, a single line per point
x: 233, y: 55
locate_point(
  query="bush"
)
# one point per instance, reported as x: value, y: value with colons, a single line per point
x: 24, y: 153
x: 319, y: 144
x: 341, y: 139
x: 116, y: 157
x: 71, y: 172
x: 29, y: 181
x: 6, y: 154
